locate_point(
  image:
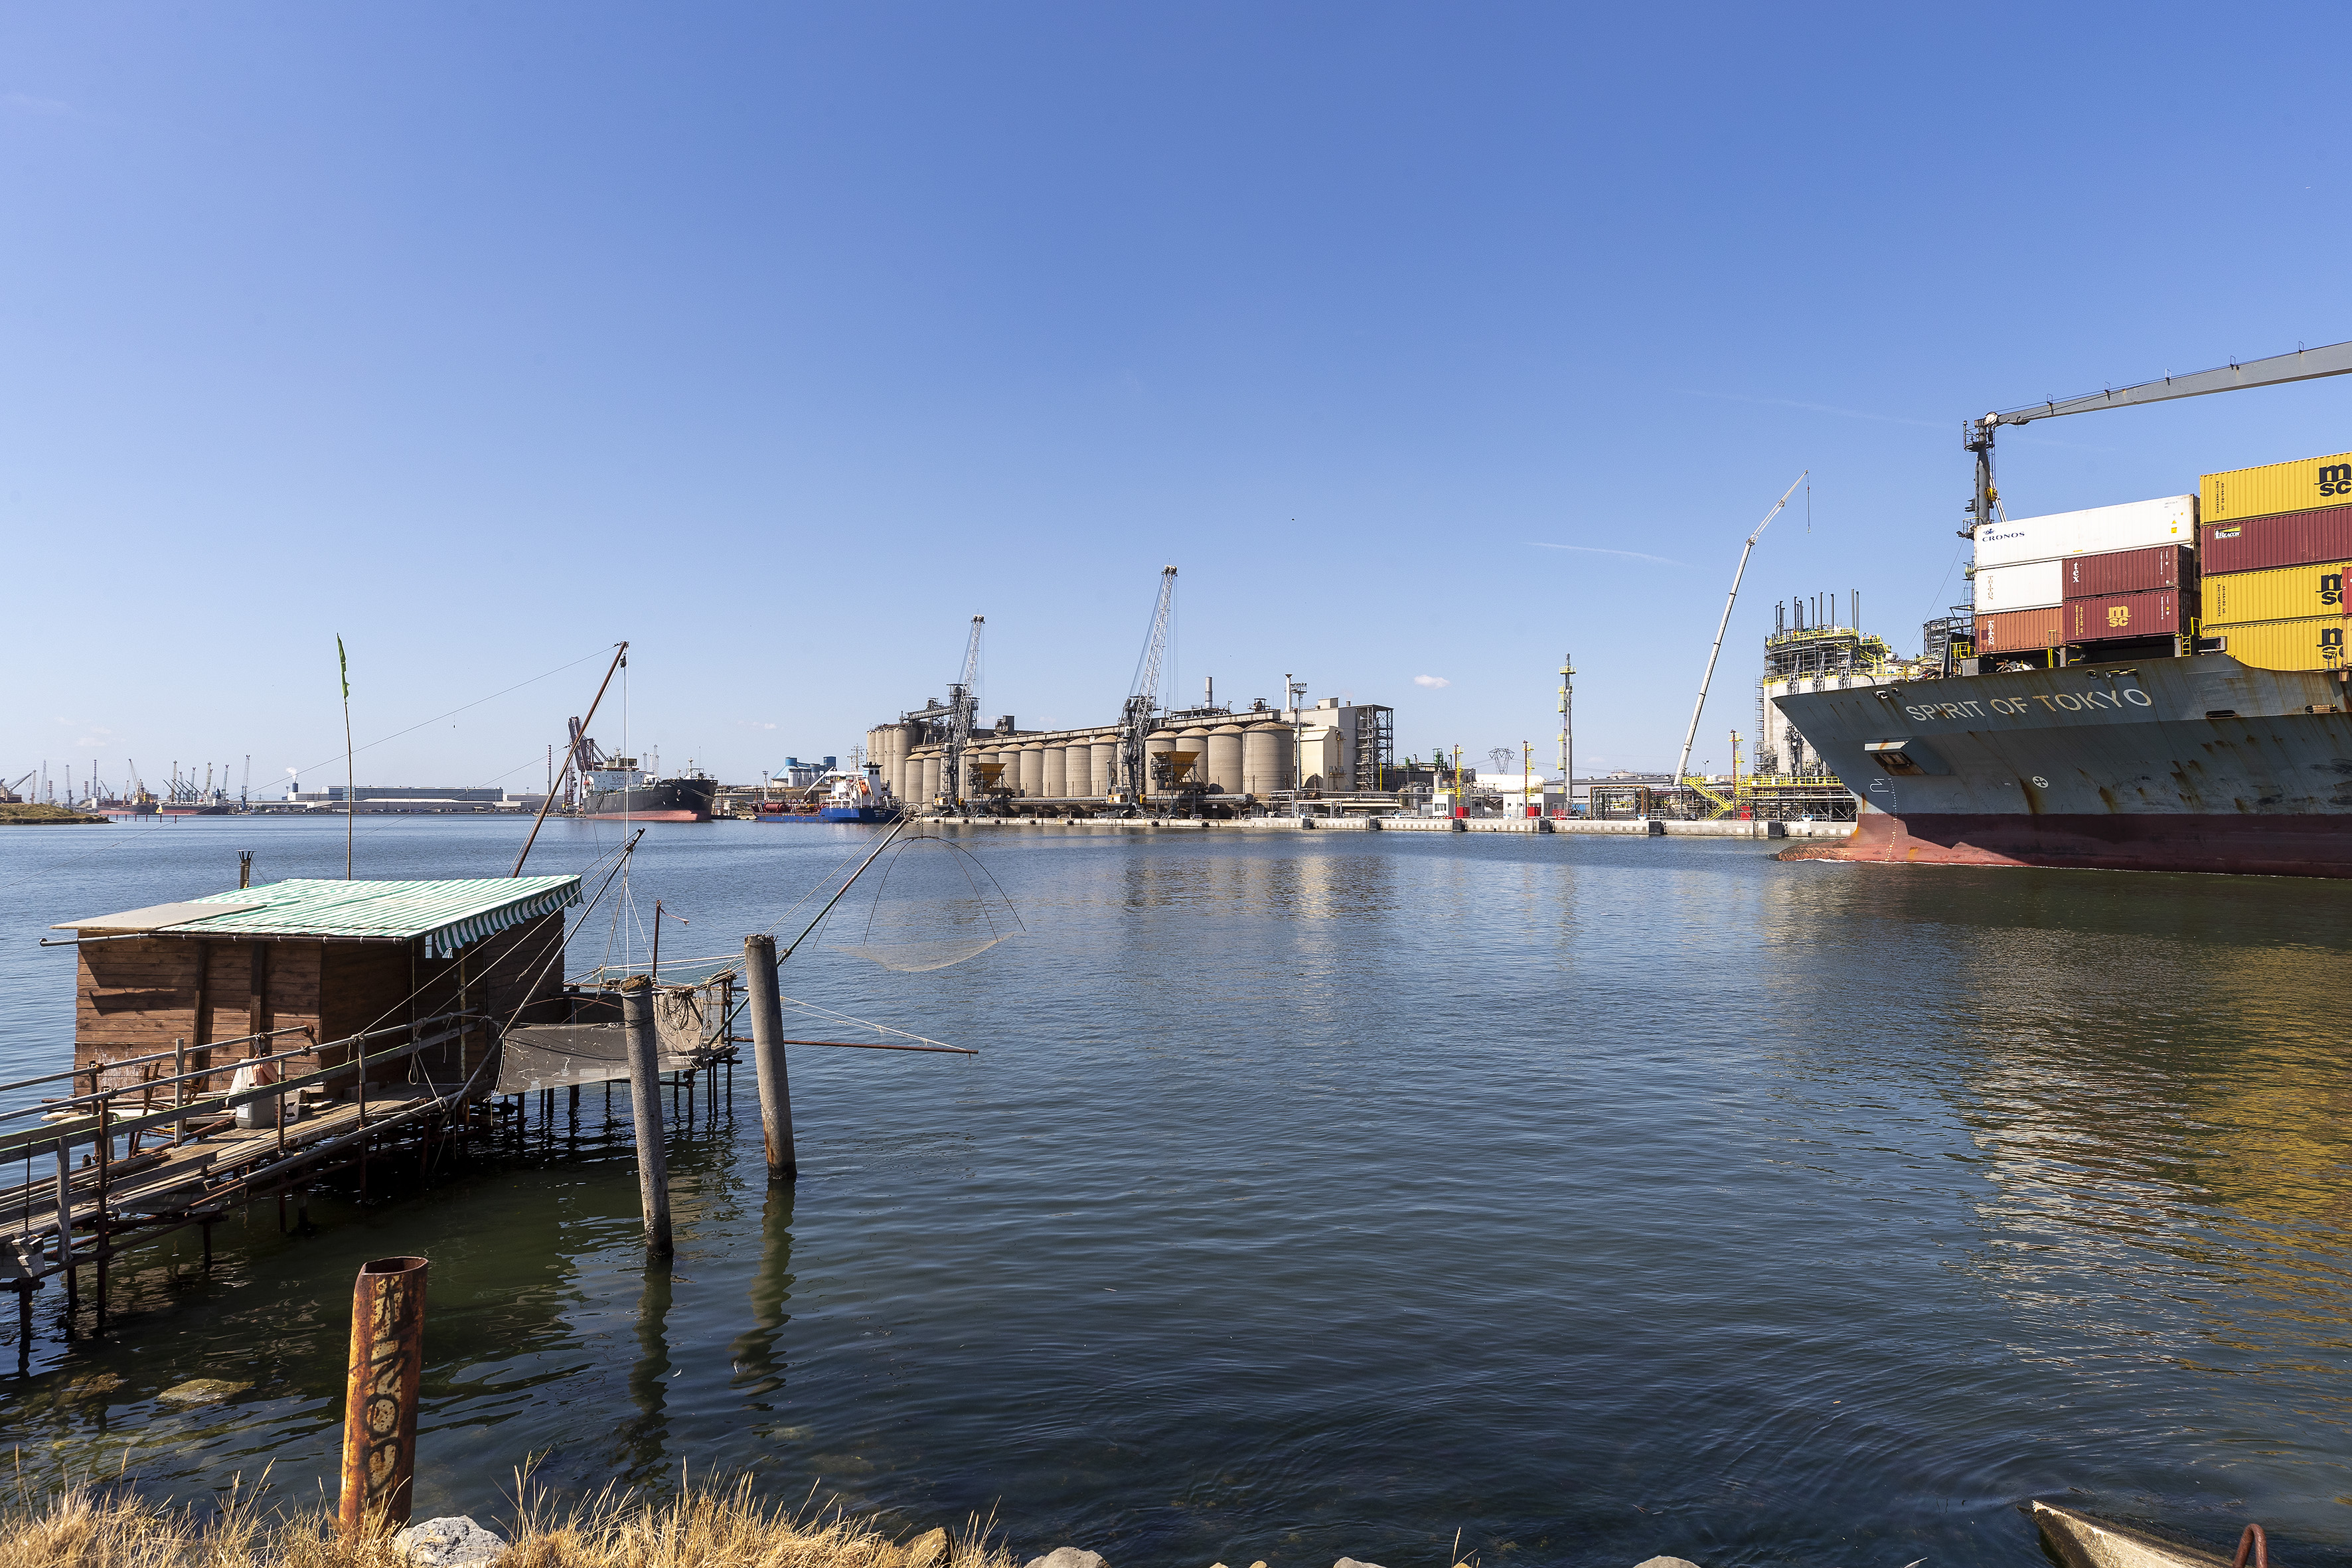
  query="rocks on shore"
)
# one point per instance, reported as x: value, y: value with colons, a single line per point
x: 1069, y: 1557
x: 456, y: 1542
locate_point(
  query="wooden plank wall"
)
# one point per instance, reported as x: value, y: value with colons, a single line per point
x: 138, y: 994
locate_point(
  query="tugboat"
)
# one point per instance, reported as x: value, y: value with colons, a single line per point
x: 620, y: 788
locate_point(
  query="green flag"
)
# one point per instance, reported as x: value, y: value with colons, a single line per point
x: 345, y: 663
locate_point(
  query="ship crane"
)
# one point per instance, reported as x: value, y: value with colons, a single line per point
x: 2304, y: 364
x: 1142, y: 703
x: 963, y: 707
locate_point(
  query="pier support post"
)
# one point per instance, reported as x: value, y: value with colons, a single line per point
x: 380, y: 1395
x: 768, y: 1057
x: 65, y: 1225
x: 645, y: 1109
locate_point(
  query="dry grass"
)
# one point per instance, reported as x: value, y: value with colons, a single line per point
x: 704, y: 1527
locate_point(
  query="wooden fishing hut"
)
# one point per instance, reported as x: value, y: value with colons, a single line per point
x: 333, y: 959
x: 363, y: 1014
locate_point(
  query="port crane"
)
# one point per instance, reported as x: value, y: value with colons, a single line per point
x: 963, y: 707
x: 1135, y: 716
x: 2304, y: 364
x: 9, y: 792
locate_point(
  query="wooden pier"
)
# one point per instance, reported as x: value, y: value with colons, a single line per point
x: 372, y: 1014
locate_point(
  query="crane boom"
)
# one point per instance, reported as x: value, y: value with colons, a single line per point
x: 2278, y: 370
x: 1681, y: 763
x: 1144, y: 695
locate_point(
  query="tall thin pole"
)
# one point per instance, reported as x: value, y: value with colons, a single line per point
x: 1681, y: 763
x: 350, y: 785
x: 620, y: 656
x: 1567, y: 735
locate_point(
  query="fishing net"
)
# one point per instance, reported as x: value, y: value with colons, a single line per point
x: 914, y: 957
x: 932, y: 905
x: 559, y: 1056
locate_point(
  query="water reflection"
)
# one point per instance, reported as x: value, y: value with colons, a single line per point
x: 758, y: 1358
x: 645, y: 1439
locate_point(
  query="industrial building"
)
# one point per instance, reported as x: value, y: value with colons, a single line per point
x: 1221, y: 757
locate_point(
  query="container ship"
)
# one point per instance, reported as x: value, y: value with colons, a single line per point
x: 2157, y: 685
x: 620, y: 788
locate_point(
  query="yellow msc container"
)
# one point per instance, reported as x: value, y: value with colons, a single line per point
x: 2275, y: 487
x: 2314, y: 642
x: 2284, y: 592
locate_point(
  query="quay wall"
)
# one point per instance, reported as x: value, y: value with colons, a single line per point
x: 1835, y: 830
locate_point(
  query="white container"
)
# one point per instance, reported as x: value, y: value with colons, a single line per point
x: 2135, y: 525
x: 2033, y: 585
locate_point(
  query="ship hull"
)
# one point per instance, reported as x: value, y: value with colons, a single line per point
x: 668, y: 800
x: 2174, y: 764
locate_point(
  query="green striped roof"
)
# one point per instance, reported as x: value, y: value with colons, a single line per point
x: 447, y: 915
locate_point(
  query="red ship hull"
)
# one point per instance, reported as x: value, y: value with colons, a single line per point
x: 2247, y: 846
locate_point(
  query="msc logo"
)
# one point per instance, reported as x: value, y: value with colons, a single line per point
x: 2335, y: 479
x: 2331, y: 587
x: 2331, y: 642
x: 2119, y: 615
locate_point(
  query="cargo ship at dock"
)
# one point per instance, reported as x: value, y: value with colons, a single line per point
x: 2157, y: 685
x: 621, y: 789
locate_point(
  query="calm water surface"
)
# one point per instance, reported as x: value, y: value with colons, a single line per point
x: 1333, y: 1194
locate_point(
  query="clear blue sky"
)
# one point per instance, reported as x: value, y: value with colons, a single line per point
x: 781, y: 340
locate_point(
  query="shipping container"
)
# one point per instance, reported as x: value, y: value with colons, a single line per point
x: 2303, y: 485
x: 2019, y: 630
x: 2258, y: 543
x: 2099, y: 616
x: 2314, y: 642
x: 2130, y: 571
x: 2286, y: 593
x: 2135, y: 525
x: 2034, y: 585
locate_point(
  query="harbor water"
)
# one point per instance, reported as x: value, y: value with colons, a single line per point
x: 1579, y: 1198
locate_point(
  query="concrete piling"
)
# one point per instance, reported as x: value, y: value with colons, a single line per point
x: 645, y: 1109
x: 768, y: 1057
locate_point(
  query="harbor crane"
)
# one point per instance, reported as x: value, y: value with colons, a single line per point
x: 10, y: 792
x: 2304, y: 364
x: 1142, y: 703
x: 963, y: 707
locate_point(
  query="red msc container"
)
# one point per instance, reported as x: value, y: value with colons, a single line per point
x: 2290, y: 539
x: 2015, y: 631
x: 2130, y: 571
x: 2099, y: 617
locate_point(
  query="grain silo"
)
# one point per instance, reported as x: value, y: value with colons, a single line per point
x: 1224, y: 759
x: 1078, y: 768
x: 1033, y: 769
x: 1266, y: 759
x: 1055, y: 774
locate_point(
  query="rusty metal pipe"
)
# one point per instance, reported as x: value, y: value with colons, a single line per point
x: 379, y: 1395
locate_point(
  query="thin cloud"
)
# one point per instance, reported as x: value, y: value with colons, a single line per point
x: 752, y: 724
x: 1594, y: 550
x: 1431, y: 680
